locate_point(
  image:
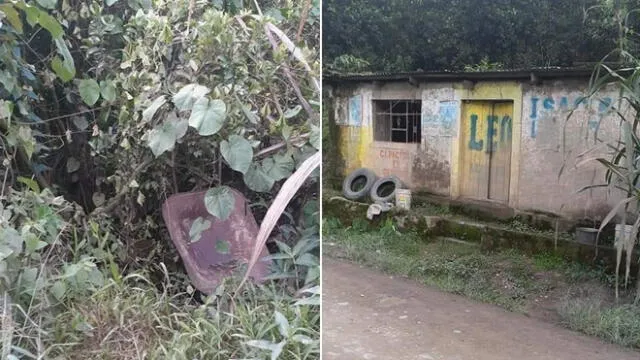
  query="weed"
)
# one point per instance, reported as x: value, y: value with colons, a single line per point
x: 619, y: 324
x: 548, y: 261
x: 451, y: 267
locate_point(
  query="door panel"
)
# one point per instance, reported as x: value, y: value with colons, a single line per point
x: 485, y: 156
x: 474, y: 160
x: 500, y: 158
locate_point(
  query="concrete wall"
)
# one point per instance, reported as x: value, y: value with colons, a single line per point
x: 558, y: 136
x: 544, y: 142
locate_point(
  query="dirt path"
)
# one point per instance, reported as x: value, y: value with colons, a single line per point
x: 367, y: 315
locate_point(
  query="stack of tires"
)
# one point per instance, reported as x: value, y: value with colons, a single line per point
x: 363, y: 183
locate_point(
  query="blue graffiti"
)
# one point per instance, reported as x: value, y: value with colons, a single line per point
x: 473, y: 144
x: 549, y: 104
x: 355, y: 111
x: 492, y: 133
x: 505, y: 129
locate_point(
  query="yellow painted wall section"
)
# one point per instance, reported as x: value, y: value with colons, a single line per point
x: 490, y: 91
x: 354, y: 146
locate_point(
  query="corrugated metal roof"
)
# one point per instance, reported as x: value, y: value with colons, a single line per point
x: 507, y: 74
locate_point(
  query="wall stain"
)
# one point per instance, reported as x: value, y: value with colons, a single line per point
x: 429, y: 173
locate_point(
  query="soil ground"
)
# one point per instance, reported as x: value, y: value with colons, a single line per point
x: 368, y: 315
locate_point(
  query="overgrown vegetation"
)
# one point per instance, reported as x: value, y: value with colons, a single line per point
x: 619, y: 155
x: 576, y: 295
x: 401, y: 35
x: 109, y: 107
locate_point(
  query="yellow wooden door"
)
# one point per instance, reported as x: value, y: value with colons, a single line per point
x: 500, y: 151
x: 485, y: 155
x: 474, y: 159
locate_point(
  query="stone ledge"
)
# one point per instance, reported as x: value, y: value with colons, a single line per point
x: 487, y: 236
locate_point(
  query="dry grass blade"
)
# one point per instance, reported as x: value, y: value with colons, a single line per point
x: 295, y: 51
x: 289, y: 189
x: 7, y: 326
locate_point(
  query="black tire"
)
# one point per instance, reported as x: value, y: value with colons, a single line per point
x: 380, y: 189
x: 363, y: 177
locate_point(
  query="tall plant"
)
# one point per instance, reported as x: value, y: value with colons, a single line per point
x: 622, y: 163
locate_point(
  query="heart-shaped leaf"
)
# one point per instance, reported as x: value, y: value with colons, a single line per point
x: 188, y: 95
x: 219, y: 202
x: 89, y: 91
x: 208, y: 116
x: 257, y: 179
x: 237, y: 152
x: 108, y: 90
x: 149, y: 112
x: 164, y: 137
x: 73, y: 165
x: 58, y: 289
x: 279, y: 166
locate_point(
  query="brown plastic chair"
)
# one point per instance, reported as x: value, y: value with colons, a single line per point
x: 206, y: 264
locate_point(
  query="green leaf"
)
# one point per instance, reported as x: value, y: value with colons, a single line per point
x: 219, y: 202
x: 27, y: 140
x: 279, y: 166
x: 208, y: 116
x: 65, y: 69
x: 257, y: 179
x: 237, y: 152
x: 253, y: 118
x: 149, y: 112
x: 51, y: 25
x: 164, y: 137
x: 29, y: 275
x: 89, y: 91
x: 283, y: 324
x: 12, y: 239
x: 108, y: 90
x: 262, y: 344
x: 12, y: 16
x: 292, y: 112
x: 303, y: 339
x: 73, y: 165
x: 58, y: 289
x: 307, y: 259
x: 31, y: 184
x: 222, y: 247
x: 110, y: 2
x: 98, y: 198
x: 6, y: 109
x: 61, y: 70
x: 80, y: 123
x: 33, y: 12
x: 315, y: 137
x: 33, y: 244
x: 185, y: 98
x: 310, y: 211
x: 48, y: 4
x: 198, y: 226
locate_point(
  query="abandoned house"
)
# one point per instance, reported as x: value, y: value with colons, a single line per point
x: 516, y: 140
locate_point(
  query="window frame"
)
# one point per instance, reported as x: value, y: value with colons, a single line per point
x: 391, y: 119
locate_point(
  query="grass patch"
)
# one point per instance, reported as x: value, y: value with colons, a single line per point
x: 503, y: 278
x: 509, y: 279
x: 136, y: 321
x: 618, y: 324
